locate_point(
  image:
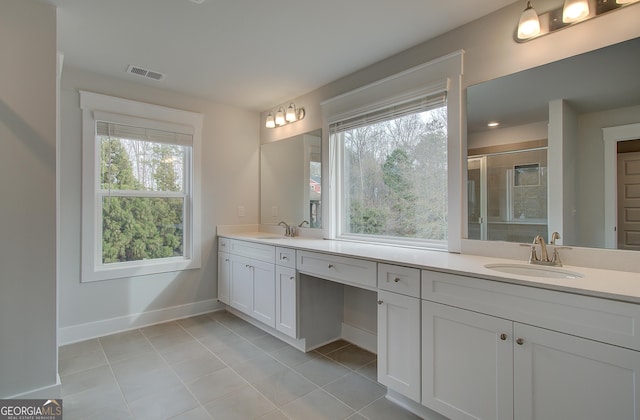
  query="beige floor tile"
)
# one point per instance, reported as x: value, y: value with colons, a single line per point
x: 135, y: 387
x: 274, y: 415
x: 125, y: 345
x: 137, y: 365
x: 170, y: 339
x: 216, y: 385
x: 322, y: 371
x: 75, y: 349
x: 317, y: 405
x: 250, y: 332
x: 94, y: 403
x: 183, y: 351
x: 383, y: 409
x: 163, y: 404
x: 284, y: 387
x: 193, y: 368
x: 355, y: 390
x: 262, y: 366
x: 161, y: 329
x: 357, y: 416
x: 243, y: 404
x: 235, y: 353
x: 198, y: 413
x: 81, y: 361
x: 293, y: 357
x: 370, y: 371
x: 269, y: 343
x: 352, y: 356
x: 328, y: 348
x: 96, y: 378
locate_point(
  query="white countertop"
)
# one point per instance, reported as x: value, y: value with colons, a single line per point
x: 609, y: 284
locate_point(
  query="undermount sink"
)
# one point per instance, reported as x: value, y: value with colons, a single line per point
x: 535, y: 271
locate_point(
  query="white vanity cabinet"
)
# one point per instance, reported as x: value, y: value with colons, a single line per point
x: 483, y: 359
x: 224, y: 271
x: 286, y: 292
x: 252, y: 286
x: 399, y: 329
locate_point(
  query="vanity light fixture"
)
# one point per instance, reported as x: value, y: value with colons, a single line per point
x: 493, y: 124
x: 532, y: 25
x: 529, y: 24
x: 574, y: 10
x: 281, y: 117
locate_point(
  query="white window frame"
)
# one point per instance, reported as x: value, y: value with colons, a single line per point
x: 444, y: 73
x: 96, y: 107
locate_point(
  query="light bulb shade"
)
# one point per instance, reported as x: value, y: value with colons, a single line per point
x: 574, y: 10
x: 529, y: 24
x: 270, y: 121
x: 291, y: 115
x: 280, y: 117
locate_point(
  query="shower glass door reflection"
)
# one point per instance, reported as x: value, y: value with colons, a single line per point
x: 507, y: 195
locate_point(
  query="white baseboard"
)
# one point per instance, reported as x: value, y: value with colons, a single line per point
x: 360, y: 338
x: 46, y: 392
x: 75, y: 333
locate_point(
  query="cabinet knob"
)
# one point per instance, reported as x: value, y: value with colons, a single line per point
x: 519, y: 341
x: 284, y: 258
x: 396, y: 280
x: 503, y: 336
x: 226, y: 259
x: 329, y: 265
x: 380, y: 302
x: 292, y: 278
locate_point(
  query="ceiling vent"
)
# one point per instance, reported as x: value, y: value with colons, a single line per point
x: 142, y: 72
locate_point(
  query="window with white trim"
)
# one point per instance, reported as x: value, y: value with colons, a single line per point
x: 393, y: 167
x: 395, y: 158
x: 140, y: 195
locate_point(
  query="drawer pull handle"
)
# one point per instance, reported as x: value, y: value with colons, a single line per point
x: 503, y: 336
x: 284, y: 258
x: 226, y: 259
x: 292, y: 278
x: 397, y: 279
x: 380, y: 302
x: 248, y: 266
x: 223, y: 244
x: 519, y: 341
x: 329, y: 265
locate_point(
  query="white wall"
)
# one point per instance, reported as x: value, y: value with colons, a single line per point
x: 28, y: 349
x: 230, y: 165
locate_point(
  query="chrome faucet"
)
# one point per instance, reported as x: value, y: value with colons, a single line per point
x: 289, y: 231
x: 302, y: 223
x: 544, y: 256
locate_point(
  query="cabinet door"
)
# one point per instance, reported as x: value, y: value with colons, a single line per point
x: 224, y: 277
x: 241, y: 294
x: 467, y: 364
x: 399, y: 343
x: 264, y: 293
x: 286, y: 300
x: 559, y: 376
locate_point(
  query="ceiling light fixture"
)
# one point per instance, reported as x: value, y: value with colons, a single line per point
x: 283, y: 117
x: 493, y: 124
x: 575, y: 10
x: 529, y: 24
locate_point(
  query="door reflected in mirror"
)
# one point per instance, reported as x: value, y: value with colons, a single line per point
x: 291, y: 181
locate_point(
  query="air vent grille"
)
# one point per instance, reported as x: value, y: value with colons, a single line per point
x: 142, y: 72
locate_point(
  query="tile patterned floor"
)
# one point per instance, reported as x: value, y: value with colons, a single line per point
x: 217, y: 366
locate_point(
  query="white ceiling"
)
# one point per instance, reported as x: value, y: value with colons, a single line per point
x: 254, y: 54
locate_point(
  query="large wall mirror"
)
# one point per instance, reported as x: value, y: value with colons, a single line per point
x: 565, y: 155
x: 290, y: 180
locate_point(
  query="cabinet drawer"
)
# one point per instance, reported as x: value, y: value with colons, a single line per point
x: 286, y: 257
x: 398, y: 279
x: 224, y: 244
x: 599, y: 319
x: 353, y: 271
x: 260, y: 252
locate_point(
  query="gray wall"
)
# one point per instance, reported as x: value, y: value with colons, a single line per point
x: 230, y: 165
x: 28, y: 348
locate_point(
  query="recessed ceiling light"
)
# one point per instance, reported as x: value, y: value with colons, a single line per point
x: 493, y: 124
